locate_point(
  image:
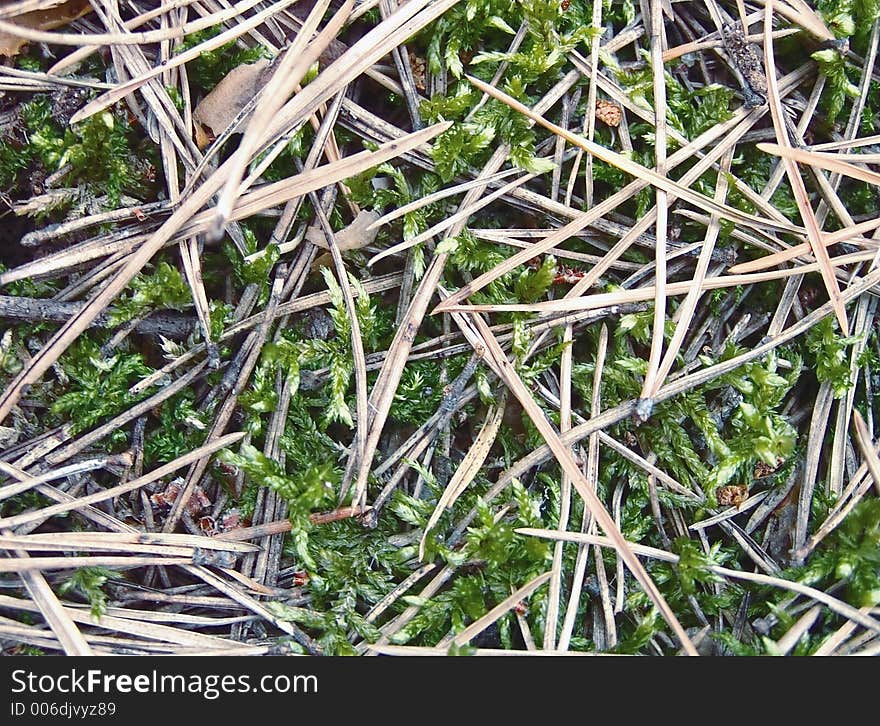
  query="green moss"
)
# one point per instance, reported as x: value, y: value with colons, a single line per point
x: 212, y: 66
x: 828, y: 352
x: 164, y: 287
x: 88, y: 582
x: 709, y: 436
x: 97, y: 385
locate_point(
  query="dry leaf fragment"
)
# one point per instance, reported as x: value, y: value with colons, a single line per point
x: 352, y: 237
x: 196, y: 503
x: 608, y: 112
x: 216, y: 111
x: 46, y: 19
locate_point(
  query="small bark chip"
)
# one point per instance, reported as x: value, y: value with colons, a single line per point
x: 748, y: 62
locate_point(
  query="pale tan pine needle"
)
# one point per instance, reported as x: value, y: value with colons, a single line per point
x: 569, y: 465
x: 814, y: 233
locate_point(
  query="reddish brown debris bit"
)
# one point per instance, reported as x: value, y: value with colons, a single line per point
x: 419, y: 71
x: 608, y: 112
x: 230, y: 520
x: 732, y: 496
x: 197, y: 502
x: 763, y: 469
x: 567, y: 275
x: 208, y: 525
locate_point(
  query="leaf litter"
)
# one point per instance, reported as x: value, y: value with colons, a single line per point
x: 376, y: 457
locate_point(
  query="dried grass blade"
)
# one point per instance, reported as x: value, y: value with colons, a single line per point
x: 122, y: 90
x: 192, y: 267
x: 831, y: 643
x: 797, y: 631
x: 79, y: 55
x: 622, y: 411
x: 835, y: 163
x: 346, y: 283
x: 152, y: 36
x: 71, y: 639
x: 398, y: 212
x: 287, y: 75
x: 582, y: 219
x: 814, y: 233
x: 38, y: 564
x: 651, y: 382
x: 647, y: 175
x: 275, y: 193
x: 113, y: 540
x: 468, y: 468
x: 418, y: 650
x: 790, y: 253
x: 269, y: 196
x: 28, y: 482
x: 253, y: 605
x: 459, y: 216
x: 838, y: 606
x: 802, y: 14
x: 872, y: 461
x: 576, y: 225
x: 406, y: 21
x: 847, y: 143
x: 569, y: 465
x: 505, y: 606
x: 689, y: 305
x: 640, y: 294
x: 592, y: 475
x: 150, y: 631
x: 101, y: 496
